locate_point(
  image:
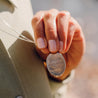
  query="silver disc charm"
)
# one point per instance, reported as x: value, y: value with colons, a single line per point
x: 56, y: 64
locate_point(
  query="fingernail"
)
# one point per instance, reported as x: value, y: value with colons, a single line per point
x: 61, y: 46
x: 40, y: 43
x: 52, y: 45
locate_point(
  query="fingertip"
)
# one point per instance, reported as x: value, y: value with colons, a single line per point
x: 41, y: 44
x: 52, y: 46
x: 61, y: 46
x: 45, y: 51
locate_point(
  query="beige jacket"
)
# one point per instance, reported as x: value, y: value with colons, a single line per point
x: 22, y: 72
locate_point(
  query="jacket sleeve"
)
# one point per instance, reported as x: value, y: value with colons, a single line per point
x: 26, y: 74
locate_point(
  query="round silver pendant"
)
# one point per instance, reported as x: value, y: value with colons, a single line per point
x: 56, y: 64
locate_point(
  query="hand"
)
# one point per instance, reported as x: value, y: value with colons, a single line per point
x: 56, y: 31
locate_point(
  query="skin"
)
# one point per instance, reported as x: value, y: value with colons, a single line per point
x: 56, y: 31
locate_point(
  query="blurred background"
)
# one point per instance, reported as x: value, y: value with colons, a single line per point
x: 85, y: 82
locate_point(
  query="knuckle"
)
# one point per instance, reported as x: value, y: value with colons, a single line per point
x: 71, y: 23
x: 63, y: 13
x: 36, y: 19
x: 48, y: 15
